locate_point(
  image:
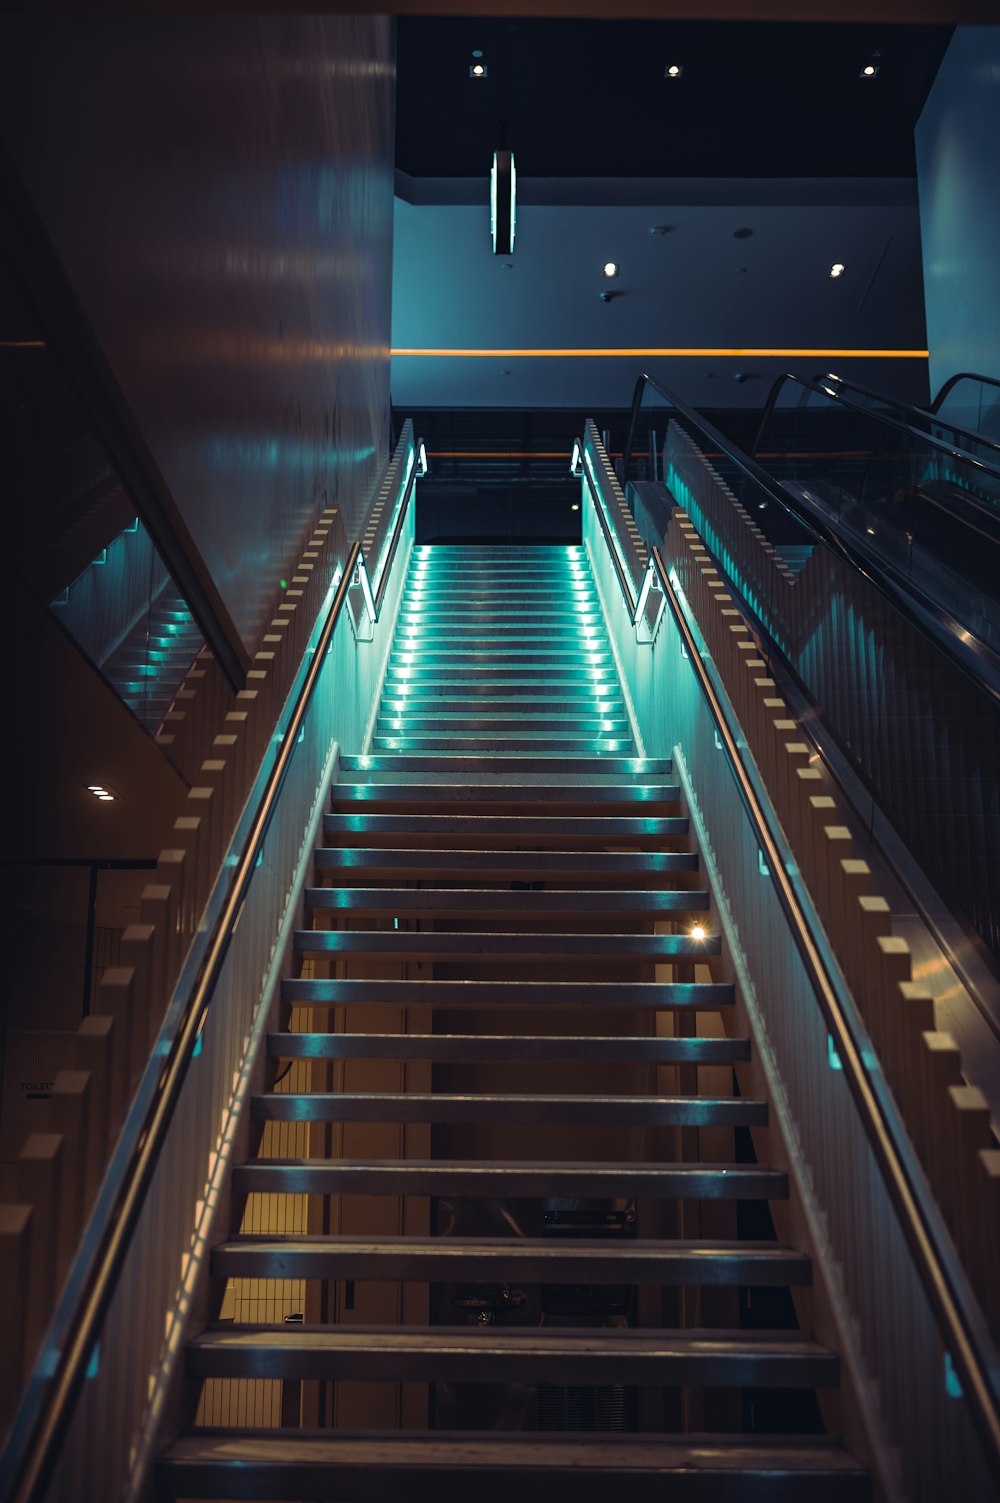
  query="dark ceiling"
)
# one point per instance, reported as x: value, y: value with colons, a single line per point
x: 589, y: 98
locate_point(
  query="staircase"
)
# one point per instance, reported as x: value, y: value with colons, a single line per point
x: 534, y: 1248
x: 149, y: 665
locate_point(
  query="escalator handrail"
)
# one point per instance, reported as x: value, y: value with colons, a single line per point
x: 981, y: 439
x: 36, y: 1448
x: 954, y: 380
x: 983, y: 673
x: 986, y: 521
x: 961, y: 456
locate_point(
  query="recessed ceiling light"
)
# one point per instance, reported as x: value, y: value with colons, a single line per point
x: 105, y: 795
x: 870, y: 70
x: 673, y: 70
x: 575, y: 506
x: 837, y: 269
x: 611, y: 268
x: 477, y: 70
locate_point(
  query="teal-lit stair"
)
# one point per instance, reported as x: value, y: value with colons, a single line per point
x: 506, y: 902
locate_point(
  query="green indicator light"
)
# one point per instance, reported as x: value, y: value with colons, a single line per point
x: 283, y: 583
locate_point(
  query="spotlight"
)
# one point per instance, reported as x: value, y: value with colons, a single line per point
x: 697, y: 932
x: 611, y: 268
x: 674, y: 70
x: 837, y: 269
x: 870, y: 70
x: 478, y: 70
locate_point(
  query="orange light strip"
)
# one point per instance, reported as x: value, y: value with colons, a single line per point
x: 673, y: 353
x: 22, y: 344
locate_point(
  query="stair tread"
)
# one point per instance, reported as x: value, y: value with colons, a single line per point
x: 539, y: 1259
x: 556, y: 771
x: 702, y: 995
x: 536, y: 1354
x: 462, y: 1448
x: 494, y: 945
x: 507, y: 1108
x: 510, y: 1048
x: 489, y: 1177
x: 526, y: 826
x: 472, y: 899
x: 547, y: 863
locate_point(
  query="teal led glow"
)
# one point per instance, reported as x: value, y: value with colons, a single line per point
x: 94, y: 1364
x: 952, y: 1382
x: 832, y: 1057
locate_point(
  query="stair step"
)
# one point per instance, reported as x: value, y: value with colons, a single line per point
x: 467, y: 1354
x: 523, y: 828
x: 526, y: 691
x: 448, y: 901
x: 589, y: 725
x: 539, y: 1260
x: 606, y: 1181
x: 552, y: 680
x: 569, y: 619
x: 701, y: 996
x: 545, y: 772
x: 519, y: 1049
x: 504, y: 865
x: 304, y: 1466
x: 572, y: 745
x: 438, y: 1106
x: 492, y: 948
x: 578, y: 791
x: 461, y: 658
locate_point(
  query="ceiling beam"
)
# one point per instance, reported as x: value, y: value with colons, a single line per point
x: 892, y: 12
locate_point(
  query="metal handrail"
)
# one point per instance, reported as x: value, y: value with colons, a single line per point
x: 39, y: 1449
x: 924, y: 412
x: 977, y: 663
x: 635, y: 600
x: 962, y: 376
x: 963, y: 1328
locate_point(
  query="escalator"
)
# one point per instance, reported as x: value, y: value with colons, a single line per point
x: 919, y: 498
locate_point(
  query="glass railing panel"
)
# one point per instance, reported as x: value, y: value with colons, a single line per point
x: 973, y: 402
x: 931, y: 514
x: 945, y: 427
